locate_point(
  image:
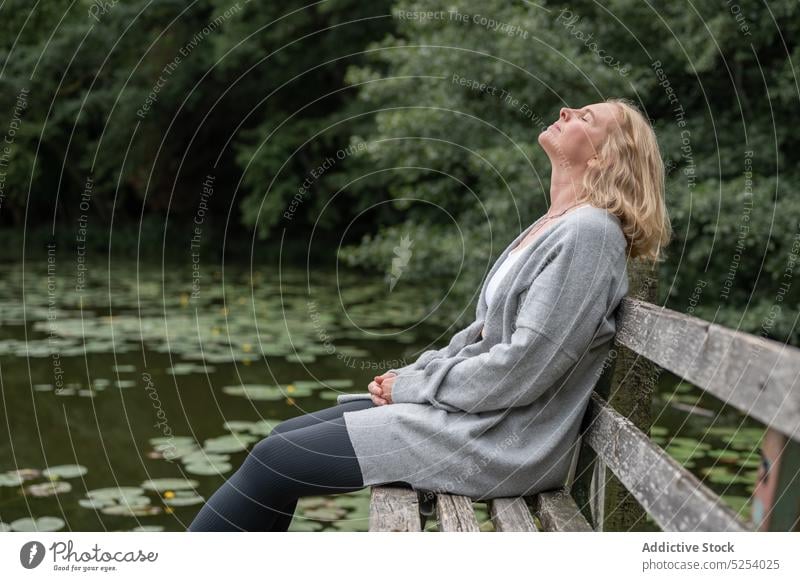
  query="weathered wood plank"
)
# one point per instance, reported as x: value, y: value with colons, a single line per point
x: 455, y: 514
x: 511, y: 515
x: 559, y: 513
x: 756, y: 375
x: 394, y: 508
x: 672, y: 495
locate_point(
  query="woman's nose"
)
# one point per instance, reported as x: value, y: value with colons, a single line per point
x: 565, y: 112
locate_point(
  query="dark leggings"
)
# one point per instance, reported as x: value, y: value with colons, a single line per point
x: 303, y: 456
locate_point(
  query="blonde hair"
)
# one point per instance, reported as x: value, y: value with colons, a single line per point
x: 627, y: 180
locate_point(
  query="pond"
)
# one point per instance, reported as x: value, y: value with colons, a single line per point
x: 130, y: 394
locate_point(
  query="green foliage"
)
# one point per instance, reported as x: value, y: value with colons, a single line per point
x: 468, y: 156
x: 369, y: 124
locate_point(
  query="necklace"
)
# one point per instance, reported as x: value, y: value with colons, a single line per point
x: 538, y: 224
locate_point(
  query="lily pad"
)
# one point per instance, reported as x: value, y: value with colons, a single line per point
x: 207, y: 468
x: 189, y: 368
x: 41, y: 524
x: 351, y: 524
x: 129, y: 510
x: 95, y: 503
x: 177, y: 440
x: 11, y: 479
x: 147, y: 529
x: 184, y: 498
x: 304, y: 525
x: 265, y: 392
x: 329, y: 513
x: 65, y: 471
x: 301, y: 358
x: 260, y: 428
x: 162, y: 484
x: 115, y: 492
x: 124, y: 368
x: 203, y: 456
x: 229, y: 443
x: 48, y: 488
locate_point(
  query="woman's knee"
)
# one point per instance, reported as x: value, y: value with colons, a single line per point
x: 282, y: 427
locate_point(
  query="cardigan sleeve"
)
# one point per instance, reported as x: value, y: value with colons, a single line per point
x: 564, y: 306
x: 457, y: 342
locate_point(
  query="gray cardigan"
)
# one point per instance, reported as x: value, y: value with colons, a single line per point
x: 499, y: 416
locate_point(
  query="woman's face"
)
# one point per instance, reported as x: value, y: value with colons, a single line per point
x: 577, y: 135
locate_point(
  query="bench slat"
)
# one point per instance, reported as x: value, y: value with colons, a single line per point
x: 511, y: 515
x: 672, y: 495
x: 455, y: 513
x: 559, y: 513
x: 394, y: 508
x: 757, y: 376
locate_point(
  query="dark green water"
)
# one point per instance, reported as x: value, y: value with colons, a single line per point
x: 129, y: 389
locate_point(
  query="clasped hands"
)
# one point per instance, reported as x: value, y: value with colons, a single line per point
x: 380, y: 388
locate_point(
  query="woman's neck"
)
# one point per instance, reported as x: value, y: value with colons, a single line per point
x: 566, y: 189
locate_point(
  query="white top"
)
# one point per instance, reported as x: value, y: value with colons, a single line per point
x: 512, y: 258
x: 499, y: 274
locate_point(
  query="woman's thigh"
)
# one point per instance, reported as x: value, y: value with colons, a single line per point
x: 315, y: 459
x: 324, y: 415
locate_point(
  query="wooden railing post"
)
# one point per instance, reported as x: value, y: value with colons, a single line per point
x: 628, y: 385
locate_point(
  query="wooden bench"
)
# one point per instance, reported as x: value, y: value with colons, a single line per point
x: 618, y: 473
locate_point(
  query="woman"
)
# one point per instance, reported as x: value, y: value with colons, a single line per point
x: 497, y: 411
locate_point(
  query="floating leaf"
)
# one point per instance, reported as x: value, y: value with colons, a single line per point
x: 41, y: 524
x: 162, y: 484
x: 189, y: 368
x: 115, y: 492
x: 124, y: 368
x: 301, y: 357
x: 128, y: 510
x: 265, y: 392
x: 65, y: 471
x: 229, y: 443
x: 203, y: 456
x: 207, y: 468
x: 95, y: 503
x: 184, y: 498
x: 10, y: 479
x: 328, y: 513
x: 147, y: 529
x: 304, y: 525
x: 260, y: 428
x: 177, y: 440
x: 48, y: 488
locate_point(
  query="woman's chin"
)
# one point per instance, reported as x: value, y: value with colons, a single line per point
x: 545, y: 140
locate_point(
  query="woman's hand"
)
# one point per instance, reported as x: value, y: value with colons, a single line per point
x: 381, y: 388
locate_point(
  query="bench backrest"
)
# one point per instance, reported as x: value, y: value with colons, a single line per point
x: 758, y: 376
